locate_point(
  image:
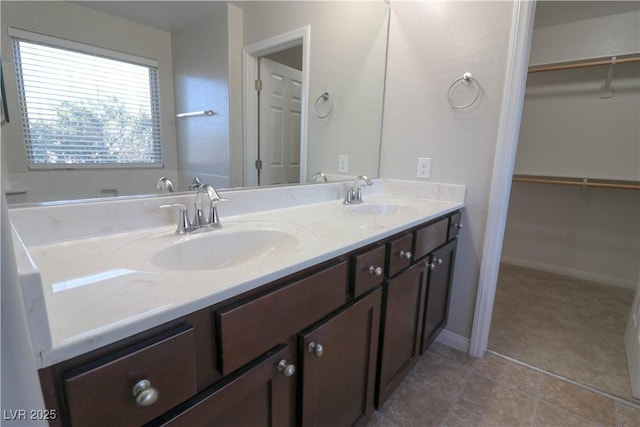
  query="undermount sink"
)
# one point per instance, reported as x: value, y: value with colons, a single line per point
x: 229, y: 247
x: 380, y: 209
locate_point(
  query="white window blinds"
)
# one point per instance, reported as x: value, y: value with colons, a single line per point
x: 83, y: 106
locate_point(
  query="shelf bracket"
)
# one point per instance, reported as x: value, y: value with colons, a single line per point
x: 607, y: 83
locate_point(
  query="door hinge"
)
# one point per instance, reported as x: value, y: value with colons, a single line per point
x: 258, y: 85
x: 259, y: 164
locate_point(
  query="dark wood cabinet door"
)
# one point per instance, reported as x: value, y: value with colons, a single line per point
x: 338, y: 378
x: 402, y: 318
x: 253, y: 397
x: 438, y: 292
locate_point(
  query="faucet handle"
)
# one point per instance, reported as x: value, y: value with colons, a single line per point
x: 183, y: 219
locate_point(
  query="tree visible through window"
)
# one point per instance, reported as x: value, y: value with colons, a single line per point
x: 84, y: 109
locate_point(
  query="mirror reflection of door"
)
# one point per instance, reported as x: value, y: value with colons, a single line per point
x: 279, y: 122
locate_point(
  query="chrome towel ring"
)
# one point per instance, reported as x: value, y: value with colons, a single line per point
x: 323, y: 99
x: 466, y: 80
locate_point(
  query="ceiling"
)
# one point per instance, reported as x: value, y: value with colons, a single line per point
x: 553, y: 12
x: 163, y: 15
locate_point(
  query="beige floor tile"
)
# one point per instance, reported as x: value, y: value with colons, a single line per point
x: 460, y: 417
x: 496, y: 403
x: 571, y: 327
x: 523, y: 379
x: 414, y: 406
x: 452, y: 355
x: 550, y: 416
x: 439, y: 376
x: 379, y: 420
x: 578, y: 401
x: 628, y: 416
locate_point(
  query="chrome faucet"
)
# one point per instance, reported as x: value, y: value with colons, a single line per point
x: 199, y: 220
x: 195, y: 184
x: 199, y: 223
x: 164, y: 183
x: 353, y: 194
x: 319, y: 175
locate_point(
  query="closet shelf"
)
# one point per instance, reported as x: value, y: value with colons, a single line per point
x: 622, y: 59
x: 582, y: 182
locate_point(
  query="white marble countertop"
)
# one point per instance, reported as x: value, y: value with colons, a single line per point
x: 85, y: 291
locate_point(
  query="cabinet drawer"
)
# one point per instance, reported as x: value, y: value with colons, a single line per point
x: 430, y: 237
x: 255, y: 396
x: 399, y: 254
x: 100, y: 393
x: 250, y: 329
x: 455, y: 224
x: 368, y: 270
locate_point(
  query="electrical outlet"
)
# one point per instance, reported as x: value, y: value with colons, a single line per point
x: 424, y: 167
x: 343, y: 164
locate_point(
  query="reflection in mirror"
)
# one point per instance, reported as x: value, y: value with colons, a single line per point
x: 225, y: 129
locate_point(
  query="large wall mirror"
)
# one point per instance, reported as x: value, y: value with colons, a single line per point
x: 316, y: 106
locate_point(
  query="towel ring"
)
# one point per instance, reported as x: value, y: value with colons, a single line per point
x: 324, y: 98
x: 466, y: 79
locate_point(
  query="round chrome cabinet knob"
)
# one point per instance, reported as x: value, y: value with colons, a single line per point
x: 316, y: 348
x: 459, y: 226
x: 286, y: 368
x: 375, y: 270
x: 406, y: 255
x: 144, y: 393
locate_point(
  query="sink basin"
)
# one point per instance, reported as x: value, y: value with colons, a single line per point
x: 229, y: 247
x: 213, y: 251
x: 380, y: 209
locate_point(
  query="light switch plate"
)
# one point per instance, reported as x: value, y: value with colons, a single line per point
x: 424, y: 167
x: 343, y: 164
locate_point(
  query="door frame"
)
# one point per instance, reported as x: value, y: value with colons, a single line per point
x: 504, y: 159
x: 250, y: 57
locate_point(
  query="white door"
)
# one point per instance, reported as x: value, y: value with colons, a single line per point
x: 632, y: 344
x: 279, y: 124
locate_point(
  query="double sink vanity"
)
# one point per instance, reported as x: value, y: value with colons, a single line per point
x: 299, y: 310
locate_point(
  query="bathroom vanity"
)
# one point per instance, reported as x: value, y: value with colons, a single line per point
x: 319, y: 331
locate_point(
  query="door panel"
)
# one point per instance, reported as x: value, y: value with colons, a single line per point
x: 401, y: 328
x: 255, y: 397
x: 438, y: 293
x: 632, y: 345
x: 338, y: 382
x: 280, y: 113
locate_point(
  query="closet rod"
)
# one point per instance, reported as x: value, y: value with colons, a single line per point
x: 583, y: 64
x: 585, y: 182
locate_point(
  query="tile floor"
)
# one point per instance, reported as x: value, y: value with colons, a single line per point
x: 571, y: 327
x: 450, y: 388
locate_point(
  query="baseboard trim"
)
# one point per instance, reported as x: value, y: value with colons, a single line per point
x: 452, y: 340
x: 578, y: 274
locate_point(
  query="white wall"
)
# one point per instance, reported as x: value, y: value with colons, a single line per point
x: 201, y: 73
x: 596, y: 37
x: 568, y: 130
x: 69, y: 21
x: 348, y: 40
x: 431, y: 44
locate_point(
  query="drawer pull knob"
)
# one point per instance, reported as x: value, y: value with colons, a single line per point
x: 286, y: 368
x: 375, y: 270
x: 316, y: 348
x: 458, y: 226
x: 406, y: 255
x: 434, y: 263
x: 144, y: 393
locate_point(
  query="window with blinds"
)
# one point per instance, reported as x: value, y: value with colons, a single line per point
x: 84, y: 106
